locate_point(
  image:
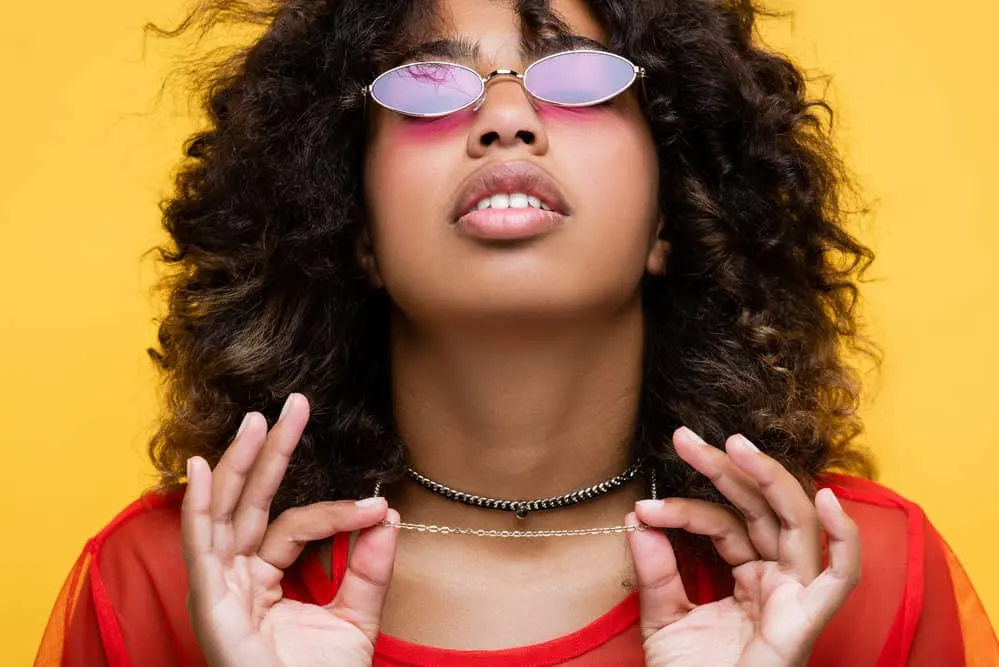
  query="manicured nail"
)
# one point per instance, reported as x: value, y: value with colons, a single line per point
x: 631, y: 520
x: 189, y: 461
x: 693, y: 437
x: 835, y: 500
x: 650, y: 504
x: 742, y: 440
x: 373, y: 501
x: 242, y: 426
x: 287, y: 406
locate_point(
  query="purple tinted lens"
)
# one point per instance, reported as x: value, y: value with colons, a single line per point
x: 427, y: 89
x: 579, y: 77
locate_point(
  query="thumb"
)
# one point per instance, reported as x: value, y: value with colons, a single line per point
x: 661, y: 595
x: 365, y: 585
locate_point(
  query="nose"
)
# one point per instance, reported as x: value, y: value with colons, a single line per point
x: 507, y: 118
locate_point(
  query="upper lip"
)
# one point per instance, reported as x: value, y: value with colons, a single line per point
x: 508, y: 178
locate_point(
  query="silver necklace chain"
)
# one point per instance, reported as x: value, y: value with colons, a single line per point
x: 521, y: 534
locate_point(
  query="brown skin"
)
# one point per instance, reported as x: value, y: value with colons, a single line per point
x: 516, y: 370
x: 510, y: 361
x: 234, y: 561
x: 516, y: 373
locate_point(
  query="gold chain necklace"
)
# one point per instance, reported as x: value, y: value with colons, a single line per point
x: 483, y: 532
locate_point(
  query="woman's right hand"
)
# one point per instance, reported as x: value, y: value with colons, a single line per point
x: 235, y: 560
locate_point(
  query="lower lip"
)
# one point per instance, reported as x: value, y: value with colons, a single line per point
x: 509, y: 223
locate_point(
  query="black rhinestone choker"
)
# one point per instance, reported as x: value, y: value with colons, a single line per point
x: 524, y: 507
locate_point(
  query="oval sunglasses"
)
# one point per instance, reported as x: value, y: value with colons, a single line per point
x: 578, y: 78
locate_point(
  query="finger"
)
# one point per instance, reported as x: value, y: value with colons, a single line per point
x: 826, y: 594
x: 362, y: 594
x: 229, y: 478
x: 734, y: 484
x: 662, y: 598
x: 800, y: 545
x: 206, y: 582
x: 727, y: 530
x: 252, y: 514
x: 288, y: 535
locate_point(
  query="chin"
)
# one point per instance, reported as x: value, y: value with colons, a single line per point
x: 503, y: 305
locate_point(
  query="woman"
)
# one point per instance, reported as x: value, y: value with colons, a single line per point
x: 463, y: 289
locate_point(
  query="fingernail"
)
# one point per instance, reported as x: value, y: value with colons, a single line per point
x: 242, y: 426
x: 649, y: 504
x: 835, y: 500
x: 631, y: 519
x: 189, y: 469
x: 287, y: 406
x: 373, y: 501
x: 742, y: 440
x: 693, y: 437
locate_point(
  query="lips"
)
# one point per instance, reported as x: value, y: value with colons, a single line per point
x: 506, y: 178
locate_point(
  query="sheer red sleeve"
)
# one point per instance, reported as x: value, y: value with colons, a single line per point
x: 949, y: 588
x: 74, y: 623
x: 914, y: 606
x: 124, y: 602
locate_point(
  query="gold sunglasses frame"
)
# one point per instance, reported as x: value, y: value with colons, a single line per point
x: 638, y: 73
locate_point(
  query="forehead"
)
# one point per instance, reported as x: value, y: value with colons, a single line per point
x: 498, y: 34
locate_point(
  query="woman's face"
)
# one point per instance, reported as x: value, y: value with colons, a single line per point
x: 601, y: 160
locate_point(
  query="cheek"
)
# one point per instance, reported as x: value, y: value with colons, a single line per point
x: 401, y: 167
x: 583, y: 116
x: 405, y: 132
x: 614, y: 161
x: 615, y: 178
x: 406, y: 189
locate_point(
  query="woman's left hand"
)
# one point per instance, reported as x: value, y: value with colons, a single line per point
x: 782, y: 598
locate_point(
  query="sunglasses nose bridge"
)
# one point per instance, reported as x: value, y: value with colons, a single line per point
x: 501, y: 72
x: 486, y: 80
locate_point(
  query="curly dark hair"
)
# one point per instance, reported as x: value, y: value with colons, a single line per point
x: 752, y: 329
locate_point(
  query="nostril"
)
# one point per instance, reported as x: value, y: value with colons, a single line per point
x: 489, y: 138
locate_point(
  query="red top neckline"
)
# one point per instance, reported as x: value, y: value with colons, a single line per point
x: 555, y: 651
x: 552, y: 652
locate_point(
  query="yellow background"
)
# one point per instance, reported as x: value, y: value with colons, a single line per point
x: 86, y: 152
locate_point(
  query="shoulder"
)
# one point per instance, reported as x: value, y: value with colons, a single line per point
x: 139, y: 555
x: 904, y: 565
x: 137, y: 563
x: 866, y: 492
x: 894, y: 532
x: 124, y: 602
x: 893, y: 528
x: 148, y: 527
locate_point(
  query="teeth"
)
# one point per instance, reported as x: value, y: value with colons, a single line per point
x: 512, y: 200
x: 519, y: 201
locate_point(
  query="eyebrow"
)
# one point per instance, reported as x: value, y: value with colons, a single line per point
x: 465, y: 49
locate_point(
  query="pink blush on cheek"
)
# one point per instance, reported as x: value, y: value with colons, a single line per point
x: 572, y: 114
x: 430, y: 129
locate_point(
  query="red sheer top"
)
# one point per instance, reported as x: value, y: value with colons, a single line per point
x: 123, y: 604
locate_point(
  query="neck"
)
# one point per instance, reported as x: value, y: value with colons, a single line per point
x: 522, y: 413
